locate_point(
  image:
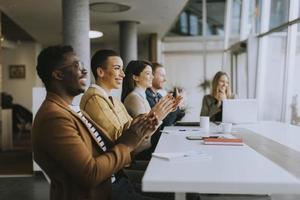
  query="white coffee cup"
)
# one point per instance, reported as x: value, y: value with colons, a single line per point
x: 226, y: 127
x: 204, y: 123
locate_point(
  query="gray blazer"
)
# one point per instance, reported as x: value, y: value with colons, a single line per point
x: 210, y: 108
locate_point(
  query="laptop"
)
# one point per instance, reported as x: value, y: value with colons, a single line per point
x: 239, y: 111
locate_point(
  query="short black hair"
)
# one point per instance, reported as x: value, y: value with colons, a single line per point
x: 99, y: 59
x: 49, y: 59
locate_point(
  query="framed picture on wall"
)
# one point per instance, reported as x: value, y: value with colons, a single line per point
x: 17, y: 71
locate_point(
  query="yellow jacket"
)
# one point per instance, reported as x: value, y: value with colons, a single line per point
x: 112, y: 117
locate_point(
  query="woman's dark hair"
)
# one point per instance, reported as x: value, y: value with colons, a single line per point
x: 134, y: 67
x: 49, y: 59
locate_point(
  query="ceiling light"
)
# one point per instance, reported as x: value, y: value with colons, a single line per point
x: 108, y: 7
x: 95, y: 34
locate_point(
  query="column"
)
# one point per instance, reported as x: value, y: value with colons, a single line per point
x: 128, y: 41
x: 76, y: 26
x: 227, y: 27
x: 153, y: 38
x: 261, y: 58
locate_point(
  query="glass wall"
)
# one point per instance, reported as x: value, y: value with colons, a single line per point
x: 258, y: 10
x: 189, y: 22
x: 279, y: 12
x: 295, y: 100
x: 279, y: 83
x: 278, y: 93
x: 274, y: 76
x: 236, y: 17
x: 264, y: 71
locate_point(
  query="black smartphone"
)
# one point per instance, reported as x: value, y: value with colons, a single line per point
x: 175, y: 92
x: 198, y: 137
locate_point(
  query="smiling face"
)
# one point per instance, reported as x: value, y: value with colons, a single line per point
x: 223, y: 84
x: 74, y: 75
x: 159, y: 78
x: 144, y: 80
x: 112, y: 74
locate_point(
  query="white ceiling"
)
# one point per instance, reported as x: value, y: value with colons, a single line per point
x: 42, y: 18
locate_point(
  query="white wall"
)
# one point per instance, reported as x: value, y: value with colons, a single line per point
x: 21, y: 89
x: 183, y: 60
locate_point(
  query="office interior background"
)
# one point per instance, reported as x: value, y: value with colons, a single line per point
x: 257, y: 42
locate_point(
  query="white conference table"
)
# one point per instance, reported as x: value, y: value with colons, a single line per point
x: 267, y: 164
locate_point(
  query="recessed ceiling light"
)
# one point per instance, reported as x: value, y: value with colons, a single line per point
x: 95, y: 34
x: 108, y: 7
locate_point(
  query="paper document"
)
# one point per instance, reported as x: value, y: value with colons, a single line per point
x: 187, y: 155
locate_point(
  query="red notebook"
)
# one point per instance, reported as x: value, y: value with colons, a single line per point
x: 224, y: 141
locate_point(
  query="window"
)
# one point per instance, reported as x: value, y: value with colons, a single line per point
x: 190, y: 21
x: 279, y: 12
x: 183, y: 23
x: 295, y: 100
x: 236, y: 17
x: 274, y: 76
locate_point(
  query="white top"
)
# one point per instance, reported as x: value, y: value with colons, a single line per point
x: 231, y: 169
x: 136, y: 102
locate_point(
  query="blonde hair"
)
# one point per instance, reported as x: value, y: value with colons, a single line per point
x: 215, y: 82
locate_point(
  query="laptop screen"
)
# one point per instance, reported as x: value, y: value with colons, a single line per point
x: 240, y: 111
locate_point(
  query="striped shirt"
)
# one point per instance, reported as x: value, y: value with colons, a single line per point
x: 93, y: 131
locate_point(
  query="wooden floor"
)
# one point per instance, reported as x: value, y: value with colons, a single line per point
x: 17, y: 161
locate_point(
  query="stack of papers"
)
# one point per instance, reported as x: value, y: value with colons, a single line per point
x: 224, y: 141
x: 188, y: 155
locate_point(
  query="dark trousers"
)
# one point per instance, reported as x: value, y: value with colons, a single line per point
x: 122, y: 189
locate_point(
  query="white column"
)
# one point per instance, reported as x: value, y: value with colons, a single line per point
x: 290, y: 63
x: 244, y: 32
x: 76, y: 26
x: 128, y: 41
x: 262, y: 52
x: 204, y: 27
x: 227, y: 28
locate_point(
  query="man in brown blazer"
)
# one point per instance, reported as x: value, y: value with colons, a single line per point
x: 73, y: 151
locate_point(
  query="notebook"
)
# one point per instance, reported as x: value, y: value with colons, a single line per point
x: 223, y: 141
x: 239, y: 111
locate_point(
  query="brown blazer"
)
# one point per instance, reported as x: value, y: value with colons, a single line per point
x: 70, y: 156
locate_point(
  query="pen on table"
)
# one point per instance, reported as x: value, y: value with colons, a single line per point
x: 166, y: 132
x: 182, y: 129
